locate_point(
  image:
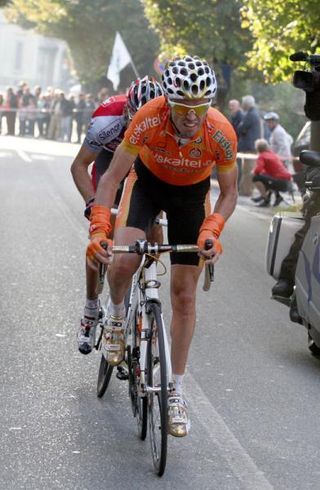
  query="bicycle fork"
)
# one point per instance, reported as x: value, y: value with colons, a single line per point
x: 151, y: 296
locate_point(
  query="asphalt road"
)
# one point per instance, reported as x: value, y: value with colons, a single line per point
x: 252, y: 385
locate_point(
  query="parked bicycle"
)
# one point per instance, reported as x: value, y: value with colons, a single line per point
x: 147, y: 364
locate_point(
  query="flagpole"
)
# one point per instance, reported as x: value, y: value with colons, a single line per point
x: 120, y: 58
x: 134, y: 69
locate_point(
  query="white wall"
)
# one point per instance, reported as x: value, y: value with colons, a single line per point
x: 27, y: 56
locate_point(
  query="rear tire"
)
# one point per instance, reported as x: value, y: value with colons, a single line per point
x: 139, y: 404
x: 312, y: 346
x: 157, y: 400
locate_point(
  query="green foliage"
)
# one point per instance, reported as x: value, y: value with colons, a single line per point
x: 89, y: 29
x: 208, y: 28
x: 280, y: 28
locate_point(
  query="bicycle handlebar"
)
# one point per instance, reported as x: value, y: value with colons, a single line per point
x: 141, y: 247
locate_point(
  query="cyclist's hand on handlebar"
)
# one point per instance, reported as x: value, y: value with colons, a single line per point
x: 99, y: 229
x: 99, y: 251
x: 212, y: 254
x: 210, y: 231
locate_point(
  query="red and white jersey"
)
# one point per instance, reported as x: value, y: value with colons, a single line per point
x: 107, y: 126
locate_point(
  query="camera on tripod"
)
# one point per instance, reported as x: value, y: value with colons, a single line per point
x: 306, y: 80
x: 309, y: 81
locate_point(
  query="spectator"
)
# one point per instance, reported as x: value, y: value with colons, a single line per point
x: 1, y: 111
x: 37, y: 94
x: 73, y: 109
x: 89, y: 109
x: 249, y: 130
x: 103, y: 95
x: 269, y: 175
x: 26, y: 112
x: 21, y: 86
x: 43, y: 118
x: 280, y: 140
x: 66, y: 118
x: 11, y: 104
x: 56, y: 116
x: 236, y: 116
x: 79, y: 116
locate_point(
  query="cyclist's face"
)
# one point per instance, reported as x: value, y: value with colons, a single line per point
x: 188, y: 115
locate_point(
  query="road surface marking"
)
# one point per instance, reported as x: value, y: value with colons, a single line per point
x: 230, y: 448
x: 23, y: 155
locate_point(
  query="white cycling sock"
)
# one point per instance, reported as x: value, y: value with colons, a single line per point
x: 116, y: 310
x: 178, y: 380
x: 91, y: 308
x: 92, y: 303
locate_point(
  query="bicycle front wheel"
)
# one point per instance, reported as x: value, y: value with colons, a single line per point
x: 158, y: 394
x: 104, y: 376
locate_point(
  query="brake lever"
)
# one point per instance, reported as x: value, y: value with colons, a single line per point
x: 209, y: 269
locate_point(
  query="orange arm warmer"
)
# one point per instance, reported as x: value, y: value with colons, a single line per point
x: 100, y: 221
x: 210, y: 229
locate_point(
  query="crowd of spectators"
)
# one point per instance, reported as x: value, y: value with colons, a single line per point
x: 47, y: 114
x: 56, y: 116
x: 258, y: 132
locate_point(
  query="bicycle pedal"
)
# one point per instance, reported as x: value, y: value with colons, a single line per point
x: 122, y: 373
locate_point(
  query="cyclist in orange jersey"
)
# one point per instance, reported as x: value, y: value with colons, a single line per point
x: 174, y: 142
x: 104, y: 134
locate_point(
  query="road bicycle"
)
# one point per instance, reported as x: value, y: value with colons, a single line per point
x: 147, y: 365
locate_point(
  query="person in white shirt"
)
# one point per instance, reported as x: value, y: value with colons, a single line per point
x: 280, y: 140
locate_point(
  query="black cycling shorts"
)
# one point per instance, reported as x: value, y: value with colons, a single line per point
x: 101, y: 164
x: 145, y: 195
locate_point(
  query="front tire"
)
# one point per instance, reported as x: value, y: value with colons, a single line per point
x: 158, y: 399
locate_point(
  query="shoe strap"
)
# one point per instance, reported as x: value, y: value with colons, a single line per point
x: 114, y: 328
x: 177, y: 401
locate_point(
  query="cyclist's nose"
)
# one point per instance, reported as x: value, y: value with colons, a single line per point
x: 191, y: 115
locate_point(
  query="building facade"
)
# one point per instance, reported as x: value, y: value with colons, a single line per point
x: 32, y: 58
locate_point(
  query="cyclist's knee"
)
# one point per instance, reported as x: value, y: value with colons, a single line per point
x: 183, y: 300
x: 123, y: 266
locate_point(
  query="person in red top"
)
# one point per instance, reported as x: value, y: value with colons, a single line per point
x: 269, y: 175
x: 173, y: 142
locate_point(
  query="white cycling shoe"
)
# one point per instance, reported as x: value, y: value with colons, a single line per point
x: 113, y: 341
x: 87, y: 334
x: 178, y: 419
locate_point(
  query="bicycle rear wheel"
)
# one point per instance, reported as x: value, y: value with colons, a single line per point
x: 139, y: 404
x: 158, y: 395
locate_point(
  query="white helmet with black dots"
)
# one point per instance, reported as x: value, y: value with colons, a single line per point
x: 189, y: 78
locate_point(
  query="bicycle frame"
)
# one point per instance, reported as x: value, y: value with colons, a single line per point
x: 147, y: 353
x: 145, y: 289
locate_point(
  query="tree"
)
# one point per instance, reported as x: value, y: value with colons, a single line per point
x: 280, y: 28
x: 89, y: 29
x: 207, y: 28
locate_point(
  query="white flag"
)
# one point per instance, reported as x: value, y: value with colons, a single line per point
x: 119, y: 59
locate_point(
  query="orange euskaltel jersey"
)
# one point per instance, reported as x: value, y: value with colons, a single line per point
x: 152, y: 136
